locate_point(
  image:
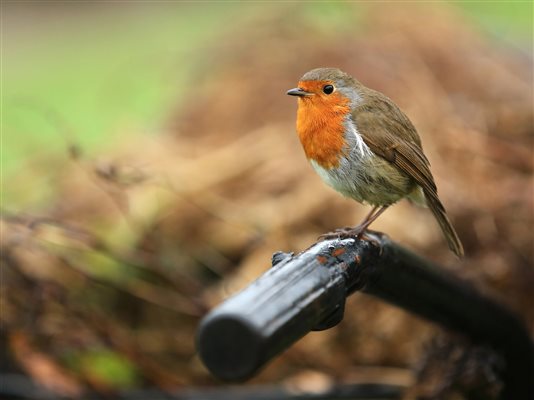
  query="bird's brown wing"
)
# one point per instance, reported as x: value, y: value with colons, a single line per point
x: 390, y: 134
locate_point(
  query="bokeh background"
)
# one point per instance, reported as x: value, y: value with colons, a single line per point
x: 150, y: 168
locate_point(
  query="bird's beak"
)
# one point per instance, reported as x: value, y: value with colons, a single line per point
x: 298, y: 92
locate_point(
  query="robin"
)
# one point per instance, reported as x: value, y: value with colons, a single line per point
x: 361, y: 144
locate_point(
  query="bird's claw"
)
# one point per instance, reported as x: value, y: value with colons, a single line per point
x: 357, y: 232
x: 343, y: 233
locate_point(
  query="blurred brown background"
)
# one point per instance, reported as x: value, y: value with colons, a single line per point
x: 145, y: 181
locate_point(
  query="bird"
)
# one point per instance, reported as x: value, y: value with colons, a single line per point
x: 362, y: 145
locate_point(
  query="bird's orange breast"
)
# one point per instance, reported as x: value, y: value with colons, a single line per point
x: 321, y: 127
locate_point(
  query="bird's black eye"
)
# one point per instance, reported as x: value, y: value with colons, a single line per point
x: 328, y: 89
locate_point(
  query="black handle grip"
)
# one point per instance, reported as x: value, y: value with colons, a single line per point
x: 308, y: 292
x: 284, y: 304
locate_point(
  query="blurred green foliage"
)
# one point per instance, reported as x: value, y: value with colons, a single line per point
x: 507, y: 20
x: 104, y: 367
x: 97, y: 75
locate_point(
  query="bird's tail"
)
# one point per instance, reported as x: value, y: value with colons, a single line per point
x: 450, y: 234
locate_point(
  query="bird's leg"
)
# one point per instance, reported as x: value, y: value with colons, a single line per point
x: 358, y: 230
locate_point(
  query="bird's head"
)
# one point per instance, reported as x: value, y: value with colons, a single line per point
x: 327, y: 89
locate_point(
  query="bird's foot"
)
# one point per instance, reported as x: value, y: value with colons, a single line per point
x: 346, y: 232
x: 357, y: 232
